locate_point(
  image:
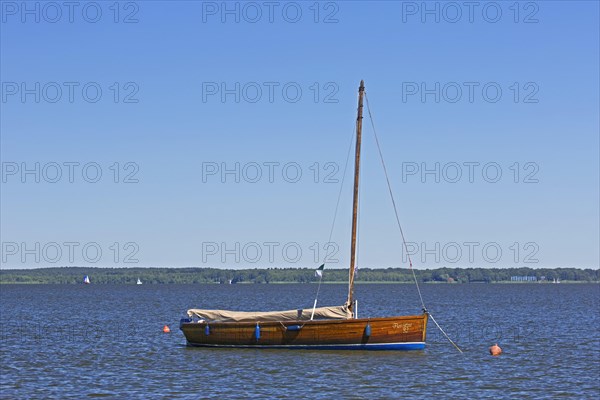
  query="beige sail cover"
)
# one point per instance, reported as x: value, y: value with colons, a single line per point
x: 340, y: 312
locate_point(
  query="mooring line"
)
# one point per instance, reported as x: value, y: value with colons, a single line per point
x: 447, y: 337
x: 400, y: 225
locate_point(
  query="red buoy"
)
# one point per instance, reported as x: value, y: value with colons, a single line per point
x: 166, y: 329
x: 495, y: 350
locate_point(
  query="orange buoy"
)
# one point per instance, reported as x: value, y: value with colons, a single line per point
x: 166, y: 329
x: 495, y: 350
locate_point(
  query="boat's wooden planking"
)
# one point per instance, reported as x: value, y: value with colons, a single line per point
x: 405, y: 329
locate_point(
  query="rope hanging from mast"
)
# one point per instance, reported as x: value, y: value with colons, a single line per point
x: 337, y: 205
x: 394, y: 204
x: 400, y: 226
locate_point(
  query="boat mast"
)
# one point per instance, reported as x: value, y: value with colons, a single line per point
x: 361, y: 91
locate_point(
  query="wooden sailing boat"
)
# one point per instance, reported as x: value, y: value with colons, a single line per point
x: 316, y: 328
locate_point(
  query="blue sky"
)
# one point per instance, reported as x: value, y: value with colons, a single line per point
x: 496, y: 89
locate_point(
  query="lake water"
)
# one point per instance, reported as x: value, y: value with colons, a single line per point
x: 107, y: 340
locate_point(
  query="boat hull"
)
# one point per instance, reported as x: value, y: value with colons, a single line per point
x: 389, y: 333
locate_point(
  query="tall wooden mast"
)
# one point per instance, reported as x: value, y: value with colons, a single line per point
x: 361, y: 91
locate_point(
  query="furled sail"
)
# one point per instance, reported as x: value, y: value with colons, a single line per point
x: 340, y: 312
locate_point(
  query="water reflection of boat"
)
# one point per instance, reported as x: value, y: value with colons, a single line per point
x: 335, y: 327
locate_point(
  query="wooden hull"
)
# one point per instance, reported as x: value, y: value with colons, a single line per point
x: 390, y: 333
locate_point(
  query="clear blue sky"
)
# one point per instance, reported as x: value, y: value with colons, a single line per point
x: 170, y: 123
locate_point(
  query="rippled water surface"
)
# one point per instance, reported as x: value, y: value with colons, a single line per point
x: 103, y: 340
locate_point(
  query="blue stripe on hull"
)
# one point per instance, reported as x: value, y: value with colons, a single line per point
x: 373, y: 346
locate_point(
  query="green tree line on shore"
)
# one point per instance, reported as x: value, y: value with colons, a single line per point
x: 74, y: 275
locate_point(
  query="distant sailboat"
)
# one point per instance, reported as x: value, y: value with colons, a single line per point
x: 86, y: 280
x: 139, y: 282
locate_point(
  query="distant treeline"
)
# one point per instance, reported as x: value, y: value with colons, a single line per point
x: 75, y: 275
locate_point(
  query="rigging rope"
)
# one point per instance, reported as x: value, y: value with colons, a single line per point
x: 394, y: 202
x: 447, y: 337
x: 333, y: 223
x: 400, y: 226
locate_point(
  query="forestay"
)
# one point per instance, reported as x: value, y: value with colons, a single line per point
x: 340, y: 312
